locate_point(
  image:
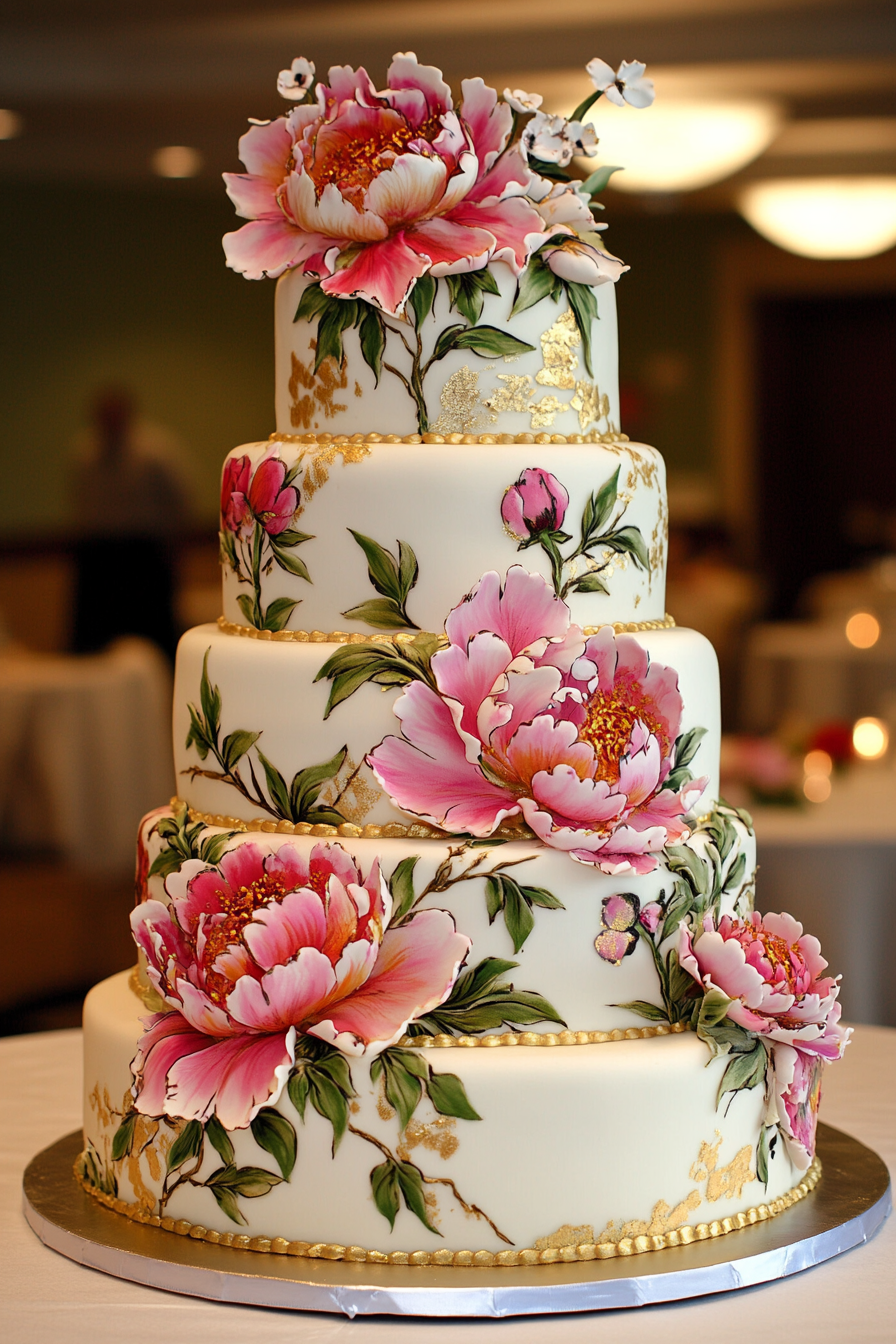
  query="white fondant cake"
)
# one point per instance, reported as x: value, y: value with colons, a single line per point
x: 447, y: 948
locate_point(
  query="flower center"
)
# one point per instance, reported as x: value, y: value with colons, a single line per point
x: 238, y: 907
x: 610, y: 719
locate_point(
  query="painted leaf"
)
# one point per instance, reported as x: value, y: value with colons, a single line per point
x: 213, y: 846
x: 279, y: 794
x: 422, y: 298
x: 541, y: 896
x: 384, y: 1185
x: 291, y: 537
x: 490, y: 342
x: 236, y: 745
x: 226, y: 1201
x: 297, y: 1089
x: 382, y: 566
x: 373, y: 340
x: 219, y: 1139
x: 494, y: 898
x: 278, y: 613
x: 249, y: 1182
x: 273, y: 1132
x: 293, y: 564
x: 535, y: 284
x: 337, y: 317
x: 247, y: 607
x: 403, y: 1088
x: 124, y: 1136
x: 763, y: 1153
x: 410, y: 1181
x: 307, y: 784
x: 518, y: 917
x: 312, y: 303
x: 328, y: 1100
x: 743, y: 1071
x: 644, y: 1009
x: 630, y: 541
x: 383, y: 613
x: 401, y: 888
x: 446, y: 341
x: 584, y: 308
x: 449, y: 1097
x: 686, y: 746
x: 408, y: 569
x: 736, y: 872
x: 187, y: 1144
x: 210, y: 699
x: 598, y: 179
x: 589, y: 583
x: 197, y: 736
x: 599, y: 507
x: 167, y: 861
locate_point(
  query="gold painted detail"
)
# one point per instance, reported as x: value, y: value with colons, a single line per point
x: 356, y: 637
x: 461, y: 408
x: 590, y: 402
x: 558, y: 350
x: 722, y: 1182
x: 546, y: 1037
x: 437, y: 1137
x: 319, y: 391
x: 543, y: 411
x: 532, y: 1255
x: 337, y: 441
x: 350, y: 791
x: 515, y: 394
x: 566, y: 1236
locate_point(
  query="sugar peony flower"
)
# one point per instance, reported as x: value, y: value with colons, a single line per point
x: 529, y: 718
x: 537, y: 503
x: 295, y: 82
x: 547, y: 137
x: 583, y: 263
x: 625, y: 85
x: 271, y: 503
x: 236, y: 516
x: 521, y: 101
x: 262, y: 947
x: 796, y: 1093
x: 370, y: 190
x: 771, y: 972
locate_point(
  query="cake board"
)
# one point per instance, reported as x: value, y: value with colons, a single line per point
x: 847, y: 1207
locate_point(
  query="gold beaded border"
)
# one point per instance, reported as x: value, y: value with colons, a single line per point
x: 603, y: 1250
x: 336, y: 440
x: 357, y: 637
x: 390, y: 830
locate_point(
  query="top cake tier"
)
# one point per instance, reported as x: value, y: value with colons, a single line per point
x: 434, y: 369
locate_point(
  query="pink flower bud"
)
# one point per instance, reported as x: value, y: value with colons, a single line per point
x: 650, y: 916
x: 583, y: 263
x: 235, y: 514
x: 537, y: 503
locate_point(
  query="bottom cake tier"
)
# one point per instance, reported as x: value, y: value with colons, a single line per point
x: 487, y: 1154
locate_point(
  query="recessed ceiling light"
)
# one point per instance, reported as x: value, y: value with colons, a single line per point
x: 825, y: 217
x: 176, y: 161
x: 10, y: 124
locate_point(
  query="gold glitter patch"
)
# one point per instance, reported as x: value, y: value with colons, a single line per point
x: 558, y: 346
x: 543, y: 411
x: 514, y: 395
x: 351, y: 791
x: 566, y: 1236
x: 320, y: 390
x: 591, y: 404
x: 459, y: 399
x: 437, y: 1137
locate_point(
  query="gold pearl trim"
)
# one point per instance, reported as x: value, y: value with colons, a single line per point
x: 391, y: 830
x: 336, y: 440
x: 546, y: 1037
x: 358, y: 637
x: 603, y: 1250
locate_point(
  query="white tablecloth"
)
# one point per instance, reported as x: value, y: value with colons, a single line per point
x: 45, y: 1299
x: 85, y: 751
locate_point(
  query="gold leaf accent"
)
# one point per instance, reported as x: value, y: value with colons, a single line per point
x: 566, y: 1236
x: 722, y: 1182
x: 515, y: 395
x: 320, y: 390
x: 437, y: 1137
x: 351, y: 791
x: 459, y: 400
x: 543, y: 411
x: 590, y: 402
x: 558, y: 348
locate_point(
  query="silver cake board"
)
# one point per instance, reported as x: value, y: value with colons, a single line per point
x: 846, y: 1208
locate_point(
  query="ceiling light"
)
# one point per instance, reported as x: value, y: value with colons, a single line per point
x: 10, y: 124
x: 870, y: 739
x: 863, y: 630
x: 679, y: 145
x: 826, y: 217
x: 818, y: 763
x: 176, y: 161
x: 817, y: 788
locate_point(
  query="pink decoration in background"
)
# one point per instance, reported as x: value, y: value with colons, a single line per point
x: 528, y: 717
x: 537, y: 503
x: 772, y: 973
x: 370, y: 190
x: 264, y: 946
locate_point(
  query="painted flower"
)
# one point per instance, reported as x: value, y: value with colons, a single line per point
x: 619, y: 915
x: 370, y: 190
x: 583, y: 263
x: 796, y: 1093
x: 537, y: 503
x: 650, y: 916
x: 772, y: 973
x: 528, y: 718
x: 521, y: 101
x: 272, y: 503
x: 625, y: 85
x: 262, y: 947
x: 295, y: 82
x: 236, y: 516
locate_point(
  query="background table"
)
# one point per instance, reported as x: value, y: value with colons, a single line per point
x: 45, y: 1298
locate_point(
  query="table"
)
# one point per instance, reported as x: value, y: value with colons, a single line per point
x: 46, y: 1298
x: 85, y: 751
x: 832, y: 865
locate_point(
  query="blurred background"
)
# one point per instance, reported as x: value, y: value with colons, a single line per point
x: 760, y: 357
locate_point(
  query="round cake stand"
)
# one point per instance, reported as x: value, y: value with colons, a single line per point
x: 846, y: 1208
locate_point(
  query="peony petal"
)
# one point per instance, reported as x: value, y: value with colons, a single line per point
x: 587, y: 803
x: 383, y: 273
x: 430, y: 95
x: 488, y: 121
x: 267, y: 248
x: 331, y: 215
x: 288, y: 995
x: 265, y: 151
x: 544, y: 744
x: 517, y: 228
x: 467, y: 678
x: 232, y: 1079
x: 451, y: 248
x: 527, y: 694
x: 525, y: 613
x: 407, y: 192
x: 278, y: 931
x: 254, y: 197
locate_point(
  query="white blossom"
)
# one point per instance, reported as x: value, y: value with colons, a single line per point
x: 625, y: 85
x: 521, y: 101
x: 295, y: 82
x: 547, y: 138
x: 584, y: 264
x: 583, y: 137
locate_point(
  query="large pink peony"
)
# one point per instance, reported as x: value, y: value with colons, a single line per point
x: 796, y: 1085
x: 370, y: 190
x: 263, y: 947
x: 530, y: 718
x: 772, y: 973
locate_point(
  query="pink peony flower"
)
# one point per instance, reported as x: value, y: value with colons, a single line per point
x: 264, y: 946
x: 272, y: 504
x: 370, y: 190
x: 583, y: 263
x: 796, y: 1085
x: 771, y: 972
x: 236, y: 515
x: 528, y: 717
x: 537, y: 503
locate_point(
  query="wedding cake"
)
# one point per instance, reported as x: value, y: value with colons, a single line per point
x: 447, y: 945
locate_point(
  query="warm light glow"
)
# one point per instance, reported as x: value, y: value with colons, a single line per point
x: 863, y: 630
x: 10, y: 124
x: 817, y: 763
x: 870, y: 739
x: 817, y: 788
x: 825, y: 217
x: 677, y: 145
x: 176, y: 161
